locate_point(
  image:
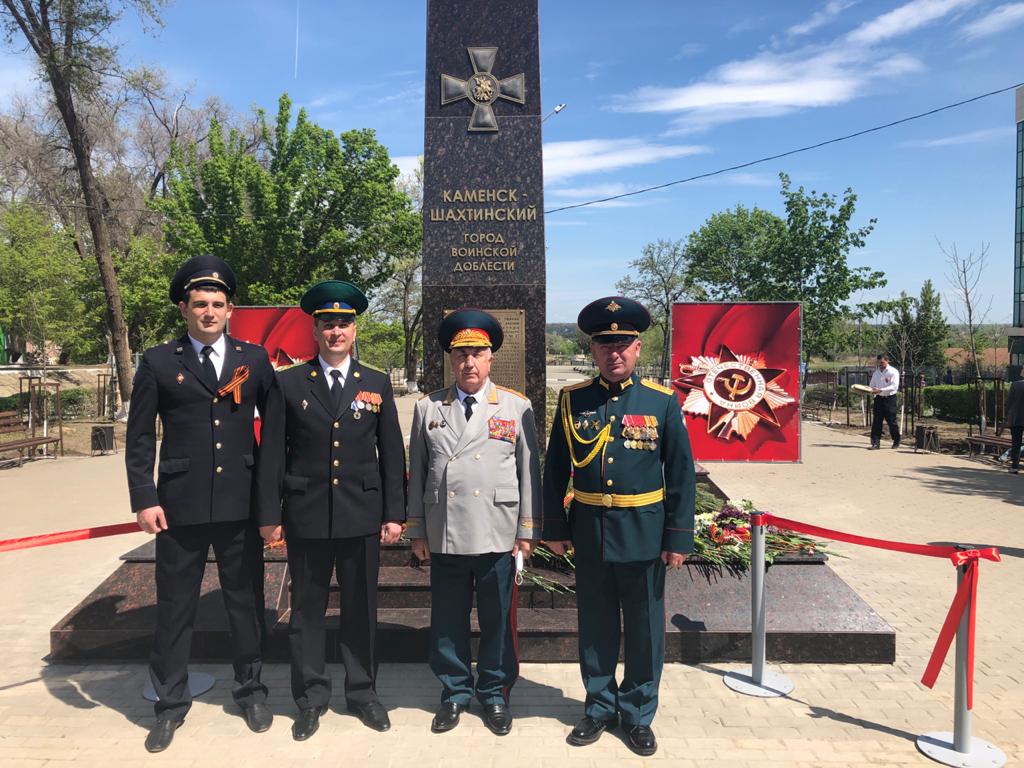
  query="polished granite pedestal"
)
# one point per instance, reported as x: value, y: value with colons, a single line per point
x: 813, y: 615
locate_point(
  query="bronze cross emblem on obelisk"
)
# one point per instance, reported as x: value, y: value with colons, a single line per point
x: 483, y: 89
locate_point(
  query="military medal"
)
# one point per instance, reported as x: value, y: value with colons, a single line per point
x: 640, y: 432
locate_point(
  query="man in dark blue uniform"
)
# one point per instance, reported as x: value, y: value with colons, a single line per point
x: 333, y: 448
x: 204, y: 387
x: 623, y: 442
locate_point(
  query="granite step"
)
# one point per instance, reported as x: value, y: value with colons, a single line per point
x: 404, y: 587
x: 403, y: 634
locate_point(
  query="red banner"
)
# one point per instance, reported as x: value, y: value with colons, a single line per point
x: 736, y: 369
x: 285, y: 332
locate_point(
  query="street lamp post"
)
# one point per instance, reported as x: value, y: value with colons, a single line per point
x: 554, y: 111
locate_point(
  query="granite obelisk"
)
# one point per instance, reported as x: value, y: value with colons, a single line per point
x: 483, y: 187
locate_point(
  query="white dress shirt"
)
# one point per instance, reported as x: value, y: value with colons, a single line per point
x: 216, y: 356
x: 482, y: 392
x: 346, y: 364
x: 887, y: 381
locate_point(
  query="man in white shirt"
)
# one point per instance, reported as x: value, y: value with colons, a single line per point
x: 885, y: 382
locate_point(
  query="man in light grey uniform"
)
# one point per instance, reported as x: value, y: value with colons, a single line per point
x: 474, y: 503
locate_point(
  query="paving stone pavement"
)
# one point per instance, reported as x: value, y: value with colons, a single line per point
x: 843, y: 715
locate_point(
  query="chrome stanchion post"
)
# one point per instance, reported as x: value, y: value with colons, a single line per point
x: 959, y: 748
x: 758, y: 681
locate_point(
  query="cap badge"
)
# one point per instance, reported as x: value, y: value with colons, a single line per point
x: 615, y: 326
x: 337, y: 305
x: 216, y: 275
x: 613, y: 307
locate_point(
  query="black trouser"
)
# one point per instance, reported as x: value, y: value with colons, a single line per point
x: 180, y: 563
x: 884, y: 410
x: 1015, y: 437
x: 310, y: 562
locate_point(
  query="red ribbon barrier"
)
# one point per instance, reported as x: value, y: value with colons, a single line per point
x: 46, y: 539
x: 966, y: 593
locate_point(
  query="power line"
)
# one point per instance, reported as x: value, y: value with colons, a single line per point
x: 709, y: 174
x: 797, y: 151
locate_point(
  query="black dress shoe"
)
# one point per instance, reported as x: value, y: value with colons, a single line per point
x: 258, y: 717
x: 895, y: 443
x: 447, y: 716
x: 588, y: 730
x: 161, y: 734
x: 641, y: 740
x: 307, y: 723
x: 373, y: 715
x: 498, y: 718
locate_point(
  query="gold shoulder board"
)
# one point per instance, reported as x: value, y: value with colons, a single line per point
x: 655, y: 386
x: 579, y: 385
x: 512, y: 391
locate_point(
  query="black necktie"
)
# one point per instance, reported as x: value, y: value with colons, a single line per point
x: 336, y: 390
x: 469, y: 402
x: 208, y: 368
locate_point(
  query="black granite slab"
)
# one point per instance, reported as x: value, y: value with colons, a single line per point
x: 813, y: 616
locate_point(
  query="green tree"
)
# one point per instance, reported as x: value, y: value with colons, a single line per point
x: 301, y: 205
x: 661, y: 278
x: 45, y: 285
x: 69, y: 41
x: 756, y: 256
x: 727, y: 254
x: 930, y: 328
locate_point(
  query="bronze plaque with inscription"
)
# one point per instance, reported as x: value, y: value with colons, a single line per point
x: 509, y: 366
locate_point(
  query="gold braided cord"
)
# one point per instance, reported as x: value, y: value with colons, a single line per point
x: 601, y: 438
x: 619, y: 499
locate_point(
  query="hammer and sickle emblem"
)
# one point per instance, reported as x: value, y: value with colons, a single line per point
x: 733, y: 383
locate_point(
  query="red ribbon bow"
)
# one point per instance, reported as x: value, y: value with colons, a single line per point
x: 966, y: 595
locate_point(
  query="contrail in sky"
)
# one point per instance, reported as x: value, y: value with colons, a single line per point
x: 296, y: 39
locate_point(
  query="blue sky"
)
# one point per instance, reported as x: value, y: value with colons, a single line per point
x: 659, y: 90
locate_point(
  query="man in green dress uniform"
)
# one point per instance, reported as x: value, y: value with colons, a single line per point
x: 622, y: 440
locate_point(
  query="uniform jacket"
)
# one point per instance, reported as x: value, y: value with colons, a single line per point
x: 330, y: 474
x: 208, y: 451
x: 474, y: 487
x: 1015, y: 404
x: 662, y: 461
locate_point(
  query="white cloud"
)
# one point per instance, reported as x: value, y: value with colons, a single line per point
x: 407, y: 164
x: 688, y: 50
x: 566, y: 159
x: 775, y: 83
x: 820, y: 18
x: 999, y: 20
x: 554, y: 198
x: 971, y: 137
x: 329, y: 99
x: 905, y: 19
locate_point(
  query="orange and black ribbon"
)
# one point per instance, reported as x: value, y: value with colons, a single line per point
x: 234, y: 387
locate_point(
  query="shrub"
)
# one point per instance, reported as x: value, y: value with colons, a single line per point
x: 958, y: 402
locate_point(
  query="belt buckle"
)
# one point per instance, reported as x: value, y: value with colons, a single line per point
x: 606, y: 499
